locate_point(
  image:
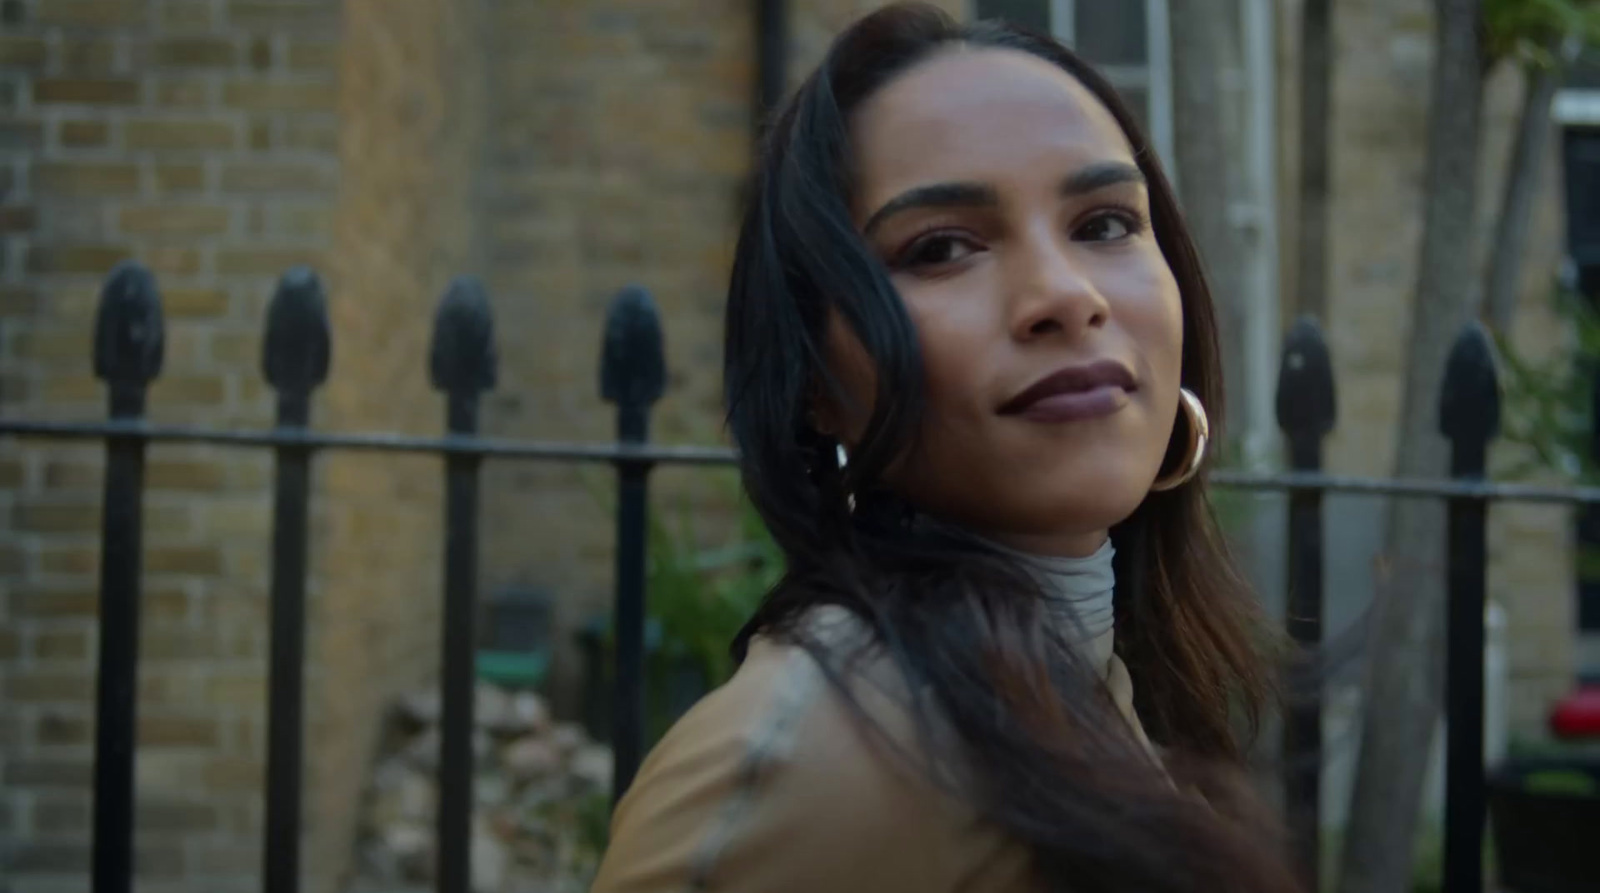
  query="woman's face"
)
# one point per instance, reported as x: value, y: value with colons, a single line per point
x: 1006, y: 203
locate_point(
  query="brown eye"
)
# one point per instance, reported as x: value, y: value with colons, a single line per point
x: 935, y: 250
x: 1110, y: 226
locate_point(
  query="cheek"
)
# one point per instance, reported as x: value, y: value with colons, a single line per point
x: 1150, y: 310
x: 956, y: 330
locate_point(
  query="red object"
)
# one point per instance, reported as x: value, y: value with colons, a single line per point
x: 1578, y: 716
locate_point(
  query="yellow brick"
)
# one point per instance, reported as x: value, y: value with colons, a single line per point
x: 96, y: 56
x: 169, y: 816
x: 18, y: 300
x: 68, y: 389
x: 50, y: 344
x: 177, y: 731
x: 172, y: 522
x: 183, y: 14
x: 313, y: 56
x: 177, y: 642
x: 88, y: 91
x: 260, y: 135
x: 265, y: 261
x: 276, y: 14
x: 61, y: 816
x: 86, y: 178
x: 12, y: 559
x: 75, y: 559
x: 169, y: 260
x: 252, y: 519
x: 10, y: 644
x: 180, y: 178
x: 188, y: 475
x: 235, y: 687
x: 180, y: 220
x: 46, y: 686
x: 167, y: 684
x: 178, y: 135
x: 166, y: 603
x: 281, y: 97
x: 61, y: 645
x: 91, y: 13
x: 55, y: 602
x: 201, y: 560
x: 36, y: 517
x: 66, y: 474
x: 22, y: 52
x: 276, y: 178
x: 61, y: 728
x: 189, y: 303
x: 235, y: 348
x: 321, y: 136
x: 12, y: 473
x: 95, y: 259
x: 261, y: 54
x: 207, y: 391
x: 195, y: 52
x: 16, y: 219
x: 183, y: 94
x: 232, y: 774
x: 304, y: 220
x: 83, y: 134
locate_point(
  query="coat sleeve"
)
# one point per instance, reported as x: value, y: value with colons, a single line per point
x: 770, y: 786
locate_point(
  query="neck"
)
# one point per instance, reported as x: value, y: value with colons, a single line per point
x: 1080, y: 590
x: 1060, y: 545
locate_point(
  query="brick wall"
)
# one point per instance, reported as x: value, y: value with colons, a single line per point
x: 199, y: 138
x: 411, y: 114
x: 1380, y: 100
x: 621, y: 134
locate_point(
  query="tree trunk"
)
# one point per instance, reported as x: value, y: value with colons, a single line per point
x: 1207, y: 110
x: 1316, y: 115
x: 1516, y: 203
x: 1404, y: 685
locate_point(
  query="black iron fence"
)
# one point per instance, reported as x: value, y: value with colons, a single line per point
x: 127, y: 355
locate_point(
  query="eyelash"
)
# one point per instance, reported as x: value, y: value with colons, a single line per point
x: 1130, y: 217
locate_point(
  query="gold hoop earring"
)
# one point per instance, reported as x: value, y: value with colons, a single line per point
x: 1199, y: 437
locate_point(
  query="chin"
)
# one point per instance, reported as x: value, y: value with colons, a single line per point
x: 1089, y: 501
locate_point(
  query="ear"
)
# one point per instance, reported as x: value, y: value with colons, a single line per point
x: 822, y: 411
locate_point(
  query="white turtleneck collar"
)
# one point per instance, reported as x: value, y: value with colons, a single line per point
x: 1080, y: 591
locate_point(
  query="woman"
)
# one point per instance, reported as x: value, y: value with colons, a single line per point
x: 969, y: 357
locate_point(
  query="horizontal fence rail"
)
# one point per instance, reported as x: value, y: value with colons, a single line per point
x: 613, y: 452
x: 127, y: 351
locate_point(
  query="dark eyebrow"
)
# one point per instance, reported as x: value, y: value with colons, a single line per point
x: 937, y: 195
x: 976, y: 195
x: 1099, y: 176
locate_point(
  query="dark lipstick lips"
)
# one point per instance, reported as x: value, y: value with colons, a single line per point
x: 1085, y: 379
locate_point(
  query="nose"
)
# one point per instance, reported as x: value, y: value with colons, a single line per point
x: 1051, y: 295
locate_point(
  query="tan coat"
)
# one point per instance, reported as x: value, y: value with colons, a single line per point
x: 771, y: 785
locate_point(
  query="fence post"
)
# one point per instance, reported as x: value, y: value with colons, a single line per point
x: 632, y: 376
x: 128, y: 341
x: 294, y: 360
x: 1306, y: 410
x: 1469, y: 416
x: 462, y: 365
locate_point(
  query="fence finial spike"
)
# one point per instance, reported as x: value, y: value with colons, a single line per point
x: 296, y: 352
x: 1469, y: 398
x: 128, y: 328
x: 633, y: 368
x: 1306, y: 403
x: 462, y: 358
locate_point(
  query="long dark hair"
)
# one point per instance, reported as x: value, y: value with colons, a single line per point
x: 1042, y: 755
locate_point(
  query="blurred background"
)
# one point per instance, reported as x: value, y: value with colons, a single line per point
x: 560, y: 150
